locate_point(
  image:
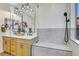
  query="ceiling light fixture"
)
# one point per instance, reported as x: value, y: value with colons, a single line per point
x: 27, y: 5
x: 16, y: 9
x: 31, y: 9
x: 25, y: 8
x: 22, y: 7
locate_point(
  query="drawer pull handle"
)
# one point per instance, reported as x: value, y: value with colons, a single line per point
x: 21, y: 46
x: 5, y: 42
x: 12, y: 50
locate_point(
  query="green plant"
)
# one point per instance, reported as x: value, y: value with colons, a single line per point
x: 19, y: 29
x: 23, y: 30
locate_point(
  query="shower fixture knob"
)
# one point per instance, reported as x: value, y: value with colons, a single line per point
x: 65, y: 14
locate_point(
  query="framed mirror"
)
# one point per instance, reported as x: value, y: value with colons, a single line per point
x: 23, y: 16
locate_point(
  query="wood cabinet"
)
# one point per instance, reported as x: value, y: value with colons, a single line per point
x: 6, y: 44
x: 13, y: 47
x: 26, y: 48
x: 17, y: 46
x: 23, y: 49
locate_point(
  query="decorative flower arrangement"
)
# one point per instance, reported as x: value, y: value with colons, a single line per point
x: 21, y: 27
x: 24, y: 24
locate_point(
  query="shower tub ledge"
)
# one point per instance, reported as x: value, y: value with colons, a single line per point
x: 50, y: 49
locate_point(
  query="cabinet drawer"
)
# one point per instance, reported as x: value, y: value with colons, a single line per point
x: 5, y: 37
x: 13, y: 47
x: 13, y: 39
x: 23, y: 41
x: 13, y: 51
x: 13, y: 43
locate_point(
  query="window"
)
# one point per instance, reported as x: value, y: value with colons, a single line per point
x: 77, y: 20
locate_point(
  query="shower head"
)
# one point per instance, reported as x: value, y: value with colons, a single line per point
x: 65, y: 13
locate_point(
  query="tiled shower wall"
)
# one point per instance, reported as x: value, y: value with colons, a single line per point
x: 52, y: 35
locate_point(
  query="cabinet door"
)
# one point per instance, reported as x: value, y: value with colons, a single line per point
x: 13, y: 47
x: 6, y: 44
x: 23, y: 49
x: 26, y: 49
x: 19, y: 49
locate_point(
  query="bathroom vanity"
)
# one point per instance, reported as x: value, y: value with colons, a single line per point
x: 17, y: 29
x: 18, y: 45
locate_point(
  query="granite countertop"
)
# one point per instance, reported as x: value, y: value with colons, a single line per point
x: 25, y: 36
